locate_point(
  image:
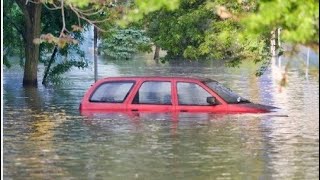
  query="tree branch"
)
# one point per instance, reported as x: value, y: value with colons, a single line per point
x: 88, y: 13
x: 86, y: 19
x: 50, y: 8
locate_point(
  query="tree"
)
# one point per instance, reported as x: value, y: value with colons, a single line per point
x: 180, y: 29
x: 224, y: 39
x: 124, y: 43
x: 32, y: 28
x: 15, y: 43
x: 24, y: 18
x: 141, y: 8
x: 63, y: 55
x: 299, y: 20
x: 202, y: 29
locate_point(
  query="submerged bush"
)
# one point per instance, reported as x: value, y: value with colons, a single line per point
x: 124, y: 43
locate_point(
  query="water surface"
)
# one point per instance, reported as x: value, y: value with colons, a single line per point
x: 45, y: 137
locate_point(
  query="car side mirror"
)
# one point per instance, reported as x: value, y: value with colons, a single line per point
x: 211, y: 100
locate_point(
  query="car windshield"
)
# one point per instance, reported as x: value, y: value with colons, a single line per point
x: 225, y: 93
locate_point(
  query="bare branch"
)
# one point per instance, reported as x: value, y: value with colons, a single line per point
x: 87, y: 13
x: 79, y: 23
x: 85, y: 18
x: 54, y: 5
x: 63, y: 19
x: 32, y: 2
x: 54, y: 8
x: 82, y: 14
x: 88, y: 10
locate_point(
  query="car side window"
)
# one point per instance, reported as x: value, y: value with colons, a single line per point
x: 112, y: 92
x: 192, y: 94
x: 154, y: 92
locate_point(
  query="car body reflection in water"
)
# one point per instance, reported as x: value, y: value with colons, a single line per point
x: 105, y: 119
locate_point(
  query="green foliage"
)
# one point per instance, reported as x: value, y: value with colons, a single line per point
x: 56, y: 72
x: 124, y: 43
x: 188, y: 29
x: 181, y: 31
x: 12, y: 28
x: 196, y: 31
x: 298, y: 19
x: 79, y: 3
x: 144, y: 7
x: 225, y: 39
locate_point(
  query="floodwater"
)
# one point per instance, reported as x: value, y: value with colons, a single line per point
x: 45, y: 137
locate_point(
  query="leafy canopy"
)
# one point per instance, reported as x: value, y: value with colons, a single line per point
x: 196, y: 30
x: 299, y: 20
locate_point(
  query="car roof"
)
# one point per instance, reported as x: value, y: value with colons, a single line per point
x: 158, y: 77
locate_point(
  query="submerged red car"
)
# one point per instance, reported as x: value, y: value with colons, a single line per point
x: 165, y: 94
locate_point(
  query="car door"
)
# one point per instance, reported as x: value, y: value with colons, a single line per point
x: 192, y: 97
x: 153, y: 95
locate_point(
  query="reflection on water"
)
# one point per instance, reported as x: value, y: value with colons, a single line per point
x: 45, y: 136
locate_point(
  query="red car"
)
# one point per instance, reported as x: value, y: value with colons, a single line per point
x: 166, y: 94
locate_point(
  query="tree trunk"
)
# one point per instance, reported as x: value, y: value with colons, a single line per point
x: 156, y: 53
x: 44, y: 80
x: 95, y: 53
x: 273, y: 43
x: 32, y: 18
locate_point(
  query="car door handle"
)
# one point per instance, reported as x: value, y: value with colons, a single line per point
x: 134, y: 110
x: 183, y: 110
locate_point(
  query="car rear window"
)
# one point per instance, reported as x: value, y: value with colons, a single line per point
x: 112, y: 92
